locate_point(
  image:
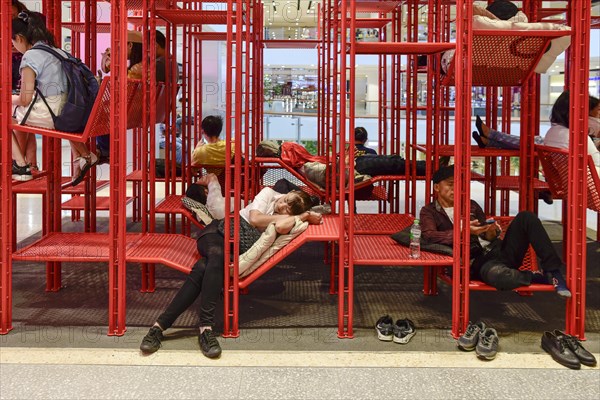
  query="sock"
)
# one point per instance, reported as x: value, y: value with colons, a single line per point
x: 158, y: 326
x: 203, y: 328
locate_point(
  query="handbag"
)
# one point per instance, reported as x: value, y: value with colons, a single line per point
x: 248, y: 233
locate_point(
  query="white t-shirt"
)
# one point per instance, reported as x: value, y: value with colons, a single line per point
x: 558, y: 136
x: 263, y: 202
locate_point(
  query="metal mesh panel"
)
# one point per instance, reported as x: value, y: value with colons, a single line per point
x: 556, y: 170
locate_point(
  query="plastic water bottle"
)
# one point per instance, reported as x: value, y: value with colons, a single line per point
x: 415, y: 240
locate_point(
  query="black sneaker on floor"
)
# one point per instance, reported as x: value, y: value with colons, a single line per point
x: 404, y: 330
x: 151, y: 342
x: 385, y: 328
x: 21, y: 174
x: 468, y: 341
x: 560, y: 284
x: 209, y: 344
x: 487, y: 346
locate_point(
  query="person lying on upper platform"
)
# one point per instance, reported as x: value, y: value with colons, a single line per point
x: 557, y: 136
x: 505, y: 15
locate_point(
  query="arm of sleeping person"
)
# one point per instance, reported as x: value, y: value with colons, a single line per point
x: 283, y: 223
x: 215, y: 202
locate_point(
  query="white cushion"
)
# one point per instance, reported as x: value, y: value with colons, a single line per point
x: 279, y: 242
x: 200, y: 210
x: 250, y: 257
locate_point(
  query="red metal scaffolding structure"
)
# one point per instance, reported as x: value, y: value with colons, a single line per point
x: 338, y: 50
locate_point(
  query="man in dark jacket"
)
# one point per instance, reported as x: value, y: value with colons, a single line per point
x: 495, y: 261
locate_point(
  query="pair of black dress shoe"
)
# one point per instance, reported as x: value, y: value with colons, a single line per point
x: 567, y: 350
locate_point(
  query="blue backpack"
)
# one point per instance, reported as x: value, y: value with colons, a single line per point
x: 82, y: 89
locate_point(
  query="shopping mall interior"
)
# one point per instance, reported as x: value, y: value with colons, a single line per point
x: 304, y: 327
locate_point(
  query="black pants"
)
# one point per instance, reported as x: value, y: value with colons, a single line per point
x: 375, y: 165
x: 500, y: 267
x: 205, y: 280
x: 103, y: 145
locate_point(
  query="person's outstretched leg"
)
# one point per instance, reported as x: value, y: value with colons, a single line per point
x: 211, y: 247
x: 496, y: 273
x: 493, y: 138
x: 527, y: 229
x: 503, y: 140
x: 421, y: 167
x: 187, y: 294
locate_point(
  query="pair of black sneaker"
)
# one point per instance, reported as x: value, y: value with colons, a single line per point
x: 484, y: 340
x: 207, y: 340
x: 400, y: 332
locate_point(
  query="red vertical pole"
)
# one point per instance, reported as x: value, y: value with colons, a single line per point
x: 528, y: 129
x: 232, y: 115
x: 118, y: 111
x: 345, y: 317
x: 462, y: 162
x: 6, y: 198
x: 575, y: 241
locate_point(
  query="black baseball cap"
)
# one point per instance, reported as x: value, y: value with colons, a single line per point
x: 443, y: 173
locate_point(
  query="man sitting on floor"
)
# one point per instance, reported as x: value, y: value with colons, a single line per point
x: 495, y: 261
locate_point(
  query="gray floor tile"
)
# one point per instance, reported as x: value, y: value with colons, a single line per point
x: 290, y: 383
x: 117, y: 382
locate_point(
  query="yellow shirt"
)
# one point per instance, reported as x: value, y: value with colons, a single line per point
x: 210, y: 153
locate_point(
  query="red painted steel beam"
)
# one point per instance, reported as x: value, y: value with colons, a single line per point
x: 577, y: 194
x: 118, y: 155
x: 462, y: 160
x: 6, y: 198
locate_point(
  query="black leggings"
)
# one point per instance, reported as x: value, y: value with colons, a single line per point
x: 205, y: 280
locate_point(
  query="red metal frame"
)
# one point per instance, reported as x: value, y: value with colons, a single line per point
x: 337, y: 61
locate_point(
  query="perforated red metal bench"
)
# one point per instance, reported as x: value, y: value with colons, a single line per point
x: 505, y: 58
x: 171, y: 204
x: 529, y: 263
x: 555, y: 163
x: 98, y: 123
x: 274, y: 169
x: 327, y: 231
